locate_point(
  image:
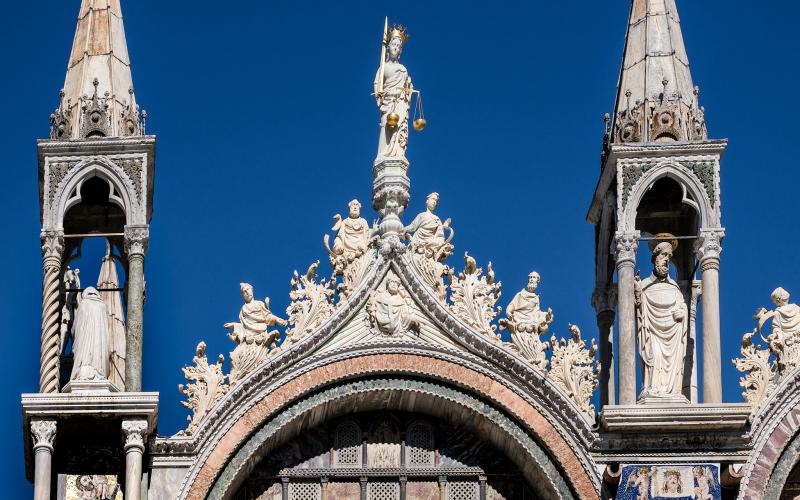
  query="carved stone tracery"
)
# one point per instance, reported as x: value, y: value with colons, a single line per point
x: 574, y: 368
x: 206, y: 389
x: 312, y: 304
x: 474, y: 297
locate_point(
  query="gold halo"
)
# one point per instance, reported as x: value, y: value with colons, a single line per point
x: 661, y: 238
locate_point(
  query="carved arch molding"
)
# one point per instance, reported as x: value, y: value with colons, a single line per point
x: 430, y: 399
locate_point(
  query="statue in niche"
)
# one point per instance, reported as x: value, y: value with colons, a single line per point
x: 109, y: 280
x: 663, y: 325
x: 347, y: 257
x: 390, y: 310
x: 392, y: 90
x: 427, y: 232
x: 384, y: 447
x: 784, y: 341
x: 251, y: 334
x: 90, y: 347
x: 72, y: 296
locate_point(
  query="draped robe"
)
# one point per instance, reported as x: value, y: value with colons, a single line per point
x: 395, y: 99
x: 352, y: 238
x: 525, y: 313
x: 90, y: 347
x: 427, y: 233
x: 251, y: 335
x: 662, y: 339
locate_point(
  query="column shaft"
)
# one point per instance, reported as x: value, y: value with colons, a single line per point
x: 627, y: 243
x: 133, y: 473
x: 43, y: 433
x: 49, y: 369
x: 712, y: 368
x: 605, y: 325
x: 135, y: 310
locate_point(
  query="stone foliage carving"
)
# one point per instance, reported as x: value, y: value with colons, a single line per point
x: 96, y: 119
x: 760, y: 374
x: 135, y: 432
x: 526, y: 322
x: 137, y: 239
x: 391, y: 310
x: 764, y: 367
x: 43, y: 433
x: 254, y: 341
x: 312, y: 303
x: 574, y: 369
x: 206, y: 388
x: 60, y: 119
x: 350, y: 255
x: 474, y: 296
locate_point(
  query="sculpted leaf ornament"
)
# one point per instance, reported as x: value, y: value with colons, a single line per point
x: 760, y: 373
x: 312, y: 304
x: 474, y: 297
x: 574, y: 369
x: 206, y: 389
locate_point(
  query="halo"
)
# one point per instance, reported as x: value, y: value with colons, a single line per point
x: 661, y: 238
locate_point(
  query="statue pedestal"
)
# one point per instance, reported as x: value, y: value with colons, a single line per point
x: 89, y: 387
x: 672, y: 400
x: 667, y: 417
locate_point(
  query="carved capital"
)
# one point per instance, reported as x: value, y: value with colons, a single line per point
x: 137, y: 239
x: 604, y: 299
x: 52, y: 248
x: 708, y: 248
x: 625, y: 251
x: 43, y: 433
x: 135, y: 432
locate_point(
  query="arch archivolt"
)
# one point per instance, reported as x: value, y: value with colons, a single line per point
x: 227, y: 436
x: 66, y: 194
x: 698, y: 196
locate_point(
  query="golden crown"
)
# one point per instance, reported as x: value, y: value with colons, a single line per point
x: 397, y: 31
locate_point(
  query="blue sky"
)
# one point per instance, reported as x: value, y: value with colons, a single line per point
x: 266, y: 129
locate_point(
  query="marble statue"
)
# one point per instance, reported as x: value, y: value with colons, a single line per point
x: 663, y: 319
x: 349, y: 257
x: 108, y: 280
x: 526, y: 322
x: 427, y: 232
x: 393, y: 91
x: 90, y: 347
x: 72, y: 281
x: 390, y: 310
x: 251, y: 334
x: 784, y: 341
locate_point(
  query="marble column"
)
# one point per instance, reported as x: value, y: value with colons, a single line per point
x: 708, y: 248
x: 136, y: 240
x: 627, y: 244
x: 135, y: 433
x: 52, y: 250
x: 604, y: 302
x: 43, y: 433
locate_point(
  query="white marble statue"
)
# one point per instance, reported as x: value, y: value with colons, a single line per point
x: 427, y: 232
x: 784, y: 341
x: 393, y: 91
x: 349, y: 256
x: 390, y: 310
x: 526, y: 322
x: 663, y: 320
x: 72, y: 281
x: 90, y: 348
x: 251, y: 334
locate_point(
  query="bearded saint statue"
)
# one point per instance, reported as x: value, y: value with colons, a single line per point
x: 784, y: 341
x: 90, y: 330
x: 352, y: 237
x: 663, y: 324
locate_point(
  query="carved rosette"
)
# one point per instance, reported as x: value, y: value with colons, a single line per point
x: 43, y: 434
x: 760, y: 373
x: 474, y: 297
x: 135, y: 432
x: 137, y: 239
x: 206, y: 388
x: 312, y: 304
x: 574, y: 369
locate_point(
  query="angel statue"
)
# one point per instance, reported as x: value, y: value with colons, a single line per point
x: 251, y: 334
x: 393, y: 90
x: 427, y: 232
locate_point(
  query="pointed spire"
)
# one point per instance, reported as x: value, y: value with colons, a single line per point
x: 98, y: 99
x: 656, y: 98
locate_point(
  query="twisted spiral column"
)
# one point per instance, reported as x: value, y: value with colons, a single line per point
x: 52, y: 249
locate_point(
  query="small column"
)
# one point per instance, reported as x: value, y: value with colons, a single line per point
x: 442, y: 487
x: 136, y: 240
x: 627, y: 244
x: 135, y: 433
x: 482, y: 487
x: 708, y: 248
x: 52, y: 250
x: 284, y: 488
x: 43, y: 433
x: 363, y: 484
x: 604, y: 301
x: 403, y: 484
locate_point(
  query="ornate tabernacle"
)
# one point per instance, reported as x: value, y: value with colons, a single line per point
x: 395, y: 376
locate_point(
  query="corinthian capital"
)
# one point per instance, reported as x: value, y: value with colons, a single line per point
x: 708, y: 246
x: 43, y: 433
x: 135, y: 431
x: 627, y: 244
x: 136, y: 239
x: 52, y: 246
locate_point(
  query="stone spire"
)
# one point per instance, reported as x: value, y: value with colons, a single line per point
x: 98, y: 99
x: 656, y: 99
